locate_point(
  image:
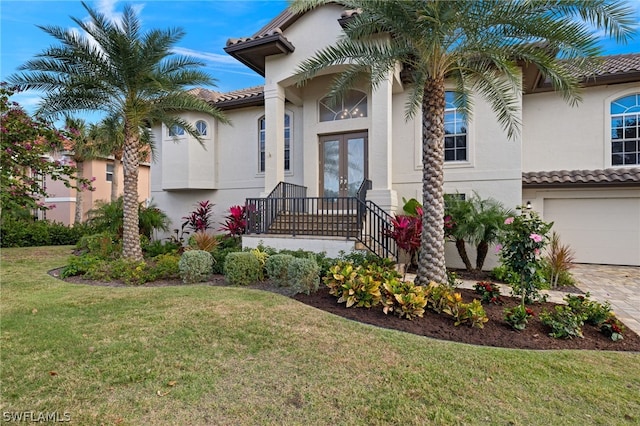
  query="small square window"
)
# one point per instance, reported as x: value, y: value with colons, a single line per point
x: 110, y: 172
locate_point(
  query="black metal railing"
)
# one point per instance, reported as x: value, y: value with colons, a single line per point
x: 288, y: 211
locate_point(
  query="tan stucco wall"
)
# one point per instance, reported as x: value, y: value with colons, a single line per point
x: 559, y: 137
x: 65, y: 198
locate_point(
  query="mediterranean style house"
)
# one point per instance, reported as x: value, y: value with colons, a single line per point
x: 101, y: 171
x: 310, y: 166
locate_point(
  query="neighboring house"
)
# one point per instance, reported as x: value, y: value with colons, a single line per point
x: 101, y: 169
x: 285, y: 133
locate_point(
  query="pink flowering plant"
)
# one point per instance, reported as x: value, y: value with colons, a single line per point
x: 26, y: 143
x: 524, y: 237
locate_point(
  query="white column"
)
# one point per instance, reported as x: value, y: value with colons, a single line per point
x: 274, y: 136
x: 380, y: 148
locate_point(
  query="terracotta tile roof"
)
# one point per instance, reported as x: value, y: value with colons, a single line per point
x: 583, y: 177
x: 275, y: 26
x: 614, y: 65
x: 242, y: 97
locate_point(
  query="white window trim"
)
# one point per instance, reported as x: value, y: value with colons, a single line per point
x: 207, y: 135
x: 606, y: 161
x: 168, y: 133
x: 291, y: 139
x: 468, y: 163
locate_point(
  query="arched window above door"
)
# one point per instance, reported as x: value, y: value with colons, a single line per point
x: 351, y: 105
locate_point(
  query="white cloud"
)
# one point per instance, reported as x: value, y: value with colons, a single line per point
x: 215, y: 58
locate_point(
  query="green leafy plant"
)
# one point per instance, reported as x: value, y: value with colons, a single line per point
x: 563, y: 321
x: 438, y: 296
x: 523, y: 241
x: 242, y: 268
x: 473, y: 313
x: 357, y: 286
x: 559, y: 260
x: 612, y: 328
x: 277, y: 266
x: 104, y: 245
x: 488, y: 292
x: 303, y: 275
x: 80, y: 265
x: 195, y: 266
x: 403, y: 298
x: 164, y: 266
x: 592, y: 312
x: 518, y: 316
x: 109, y: 217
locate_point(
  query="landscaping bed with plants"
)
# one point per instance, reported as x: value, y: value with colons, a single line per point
x: 496, y: 332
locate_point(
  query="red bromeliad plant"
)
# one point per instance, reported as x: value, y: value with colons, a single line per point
x: 236, y: 223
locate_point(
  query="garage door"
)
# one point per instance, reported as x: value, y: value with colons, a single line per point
x: 603, y: 231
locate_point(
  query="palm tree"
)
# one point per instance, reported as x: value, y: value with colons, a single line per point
x: 117, y: 68
x: 109, y: 135
x: 479, y: 47
x: 82, y: 149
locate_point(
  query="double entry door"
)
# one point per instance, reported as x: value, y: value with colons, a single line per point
x: 343, y: 164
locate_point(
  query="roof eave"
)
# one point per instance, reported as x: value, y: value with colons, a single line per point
x: 252, y: 52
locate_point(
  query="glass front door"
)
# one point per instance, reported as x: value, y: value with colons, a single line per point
x: 343, y: 164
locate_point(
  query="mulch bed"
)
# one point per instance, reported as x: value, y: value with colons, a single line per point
x: 496, y: 332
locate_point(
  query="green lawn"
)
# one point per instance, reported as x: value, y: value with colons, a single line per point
x: 211, y: 355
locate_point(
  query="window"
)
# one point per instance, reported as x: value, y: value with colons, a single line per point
x: 109, y: 172
x: 455, y: 131
x: 287, y: 142
x: 625, y: 130
x: 201, y: 127
x: 352, y: 105
x: 176, y: 130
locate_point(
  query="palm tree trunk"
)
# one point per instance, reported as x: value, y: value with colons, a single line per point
x: 431, y: 266
x: 481, y: 254
x: 114, y: 182
x: 462, y: 251
x: 131, y: 237
x: 78, y: 213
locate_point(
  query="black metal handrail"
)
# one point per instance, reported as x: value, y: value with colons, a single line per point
x: 282, y: 212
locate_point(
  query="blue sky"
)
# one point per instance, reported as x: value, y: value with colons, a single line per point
x: 208, y: 25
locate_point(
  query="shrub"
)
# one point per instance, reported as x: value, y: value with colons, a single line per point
x: 592, y: 312
x: 80, y: 265
x: 403, y: 298
x: 226, y: 245
x: 564, y: 323
x: 104, y: 245
x: 164, y: 266
x: 523, y: 241
x: 437, y: 296
x: 109, y: 217
x: 612, y: 328
x: 504, y: 274
x: 303, y: 275
x: 473, y: 313
x: 357, y: 286
x: 242, y: 268
x: 518, y: 316
x: 158, y: 247
x: 195, y: 266
x: 202, y: 240
x: 29, y: 233
x: 276, y: 267
x: 488, y: 292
